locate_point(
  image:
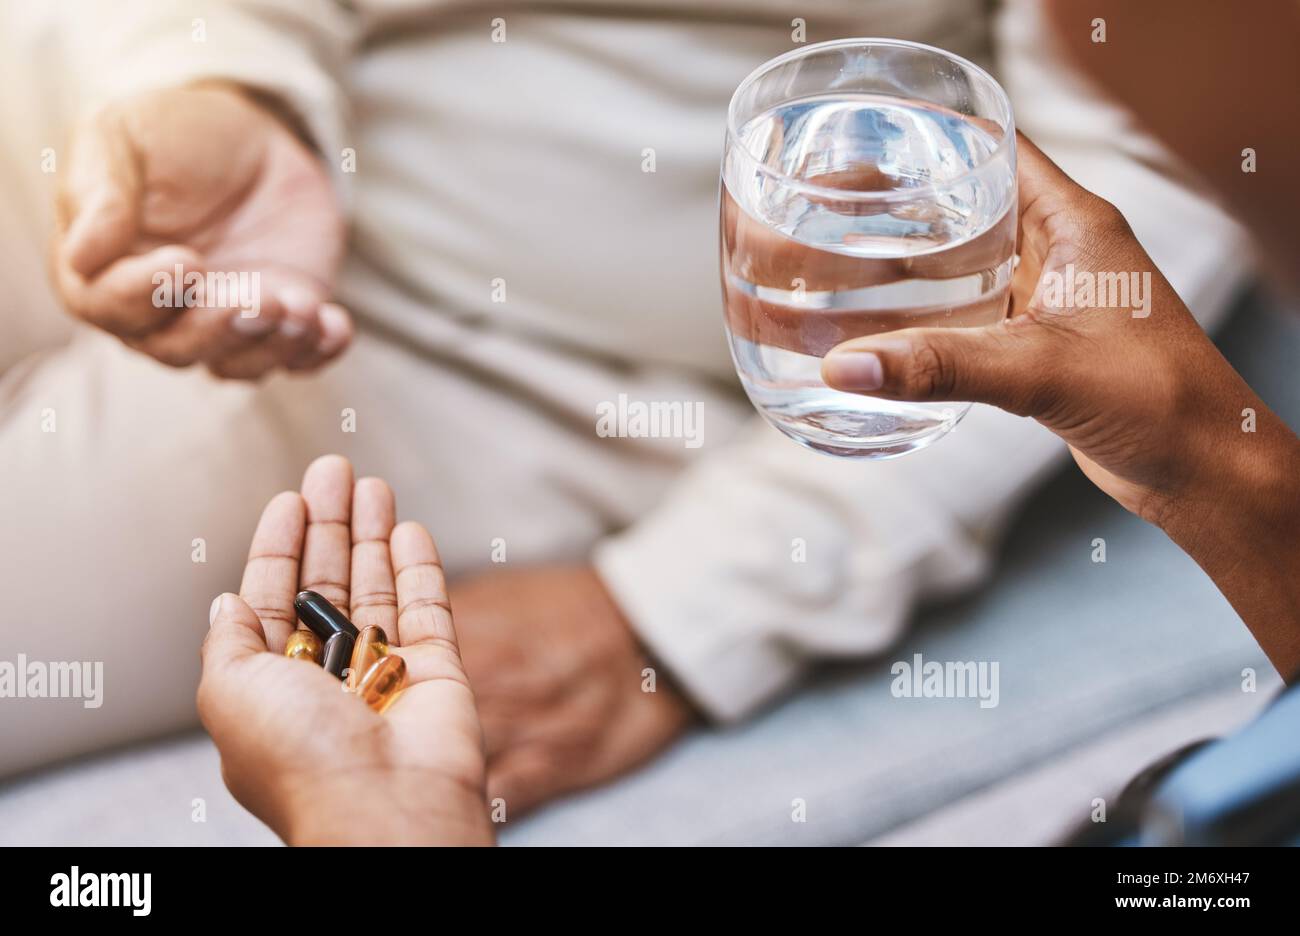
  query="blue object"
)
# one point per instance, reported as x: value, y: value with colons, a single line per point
x: 1242, y: 790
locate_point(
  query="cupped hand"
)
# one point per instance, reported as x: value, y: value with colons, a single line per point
x: 313, y: 762
x: 1151, y: 411
x: 209, y: 180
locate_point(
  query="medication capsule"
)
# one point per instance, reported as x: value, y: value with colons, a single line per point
x: 303, y: 645
x: 338, y: 652
x: 370, y: 646
x: 383, y: 682
x: 323, y: 618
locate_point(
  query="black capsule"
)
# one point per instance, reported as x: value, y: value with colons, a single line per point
x: 338, y: 654
x: 322, y: 618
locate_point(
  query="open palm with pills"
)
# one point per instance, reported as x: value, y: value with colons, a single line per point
x: 176, y: 193
x: 291, y: 740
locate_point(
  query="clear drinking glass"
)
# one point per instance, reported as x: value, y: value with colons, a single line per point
x: 867, y: 185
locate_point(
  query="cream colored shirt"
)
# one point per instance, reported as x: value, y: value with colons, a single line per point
x: 483, y: 165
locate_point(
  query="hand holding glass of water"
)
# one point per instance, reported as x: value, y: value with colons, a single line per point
x: 867, y: 185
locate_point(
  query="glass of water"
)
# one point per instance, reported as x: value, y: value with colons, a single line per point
x: 867, y: 185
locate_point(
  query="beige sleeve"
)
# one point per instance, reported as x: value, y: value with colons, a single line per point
x: 711, y: 579
x: 294, y: 50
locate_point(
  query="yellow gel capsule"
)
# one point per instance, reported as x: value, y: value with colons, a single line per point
x: 383, y: 682
x: 372, y: 643
x: 303, y: 645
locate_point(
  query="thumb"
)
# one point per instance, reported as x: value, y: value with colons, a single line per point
x: 100, y: 200
x: 1005, y: 364
x: 235, y: 633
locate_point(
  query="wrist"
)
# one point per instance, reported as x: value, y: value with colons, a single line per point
x: 387, y: 807
x: 264, y: 101
x: 1251, y: 500
x: 676, y: 707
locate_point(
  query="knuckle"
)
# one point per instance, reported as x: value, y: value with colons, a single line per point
x: 1103, y: 228
x: 125, y: 302
x: 170, y: 355
x: 266, y: 611
x: 1046, y: 400
x: 222, y: 371
x: 423, y: 605
x: 303, y: 364
x: 374, y: 599
x: 336, y: 593
x: 1059, y: 383
x: 121, y: 318
x: 1106, y: 215
x: 929, y: 373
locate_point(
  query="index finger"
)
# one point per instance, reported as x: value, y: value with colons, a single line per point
x: 271, y: 575
x: 120, y: 299
x: 1044, y: 190
x: 99, y: 202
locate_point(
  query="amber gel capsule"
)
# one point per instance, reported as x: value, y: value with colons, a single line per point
x: 303, y: 645
x: 370, y: 646
x: 383, y: 682
x: 338, y: 652
x: 323, y: 618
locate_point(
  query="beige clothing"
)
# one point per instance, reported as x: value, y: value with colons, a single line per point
x: 478, y: 162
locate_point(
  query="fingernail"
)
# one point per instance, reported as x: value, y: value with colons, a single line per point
x: 216, y: 606
x: 853, y: 370
x: 300, y: 307
x: 335, y: 327
x: 255, y: 324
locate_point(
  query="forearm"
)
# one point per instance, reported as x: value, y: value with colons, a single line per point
x: 1242, y: 526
